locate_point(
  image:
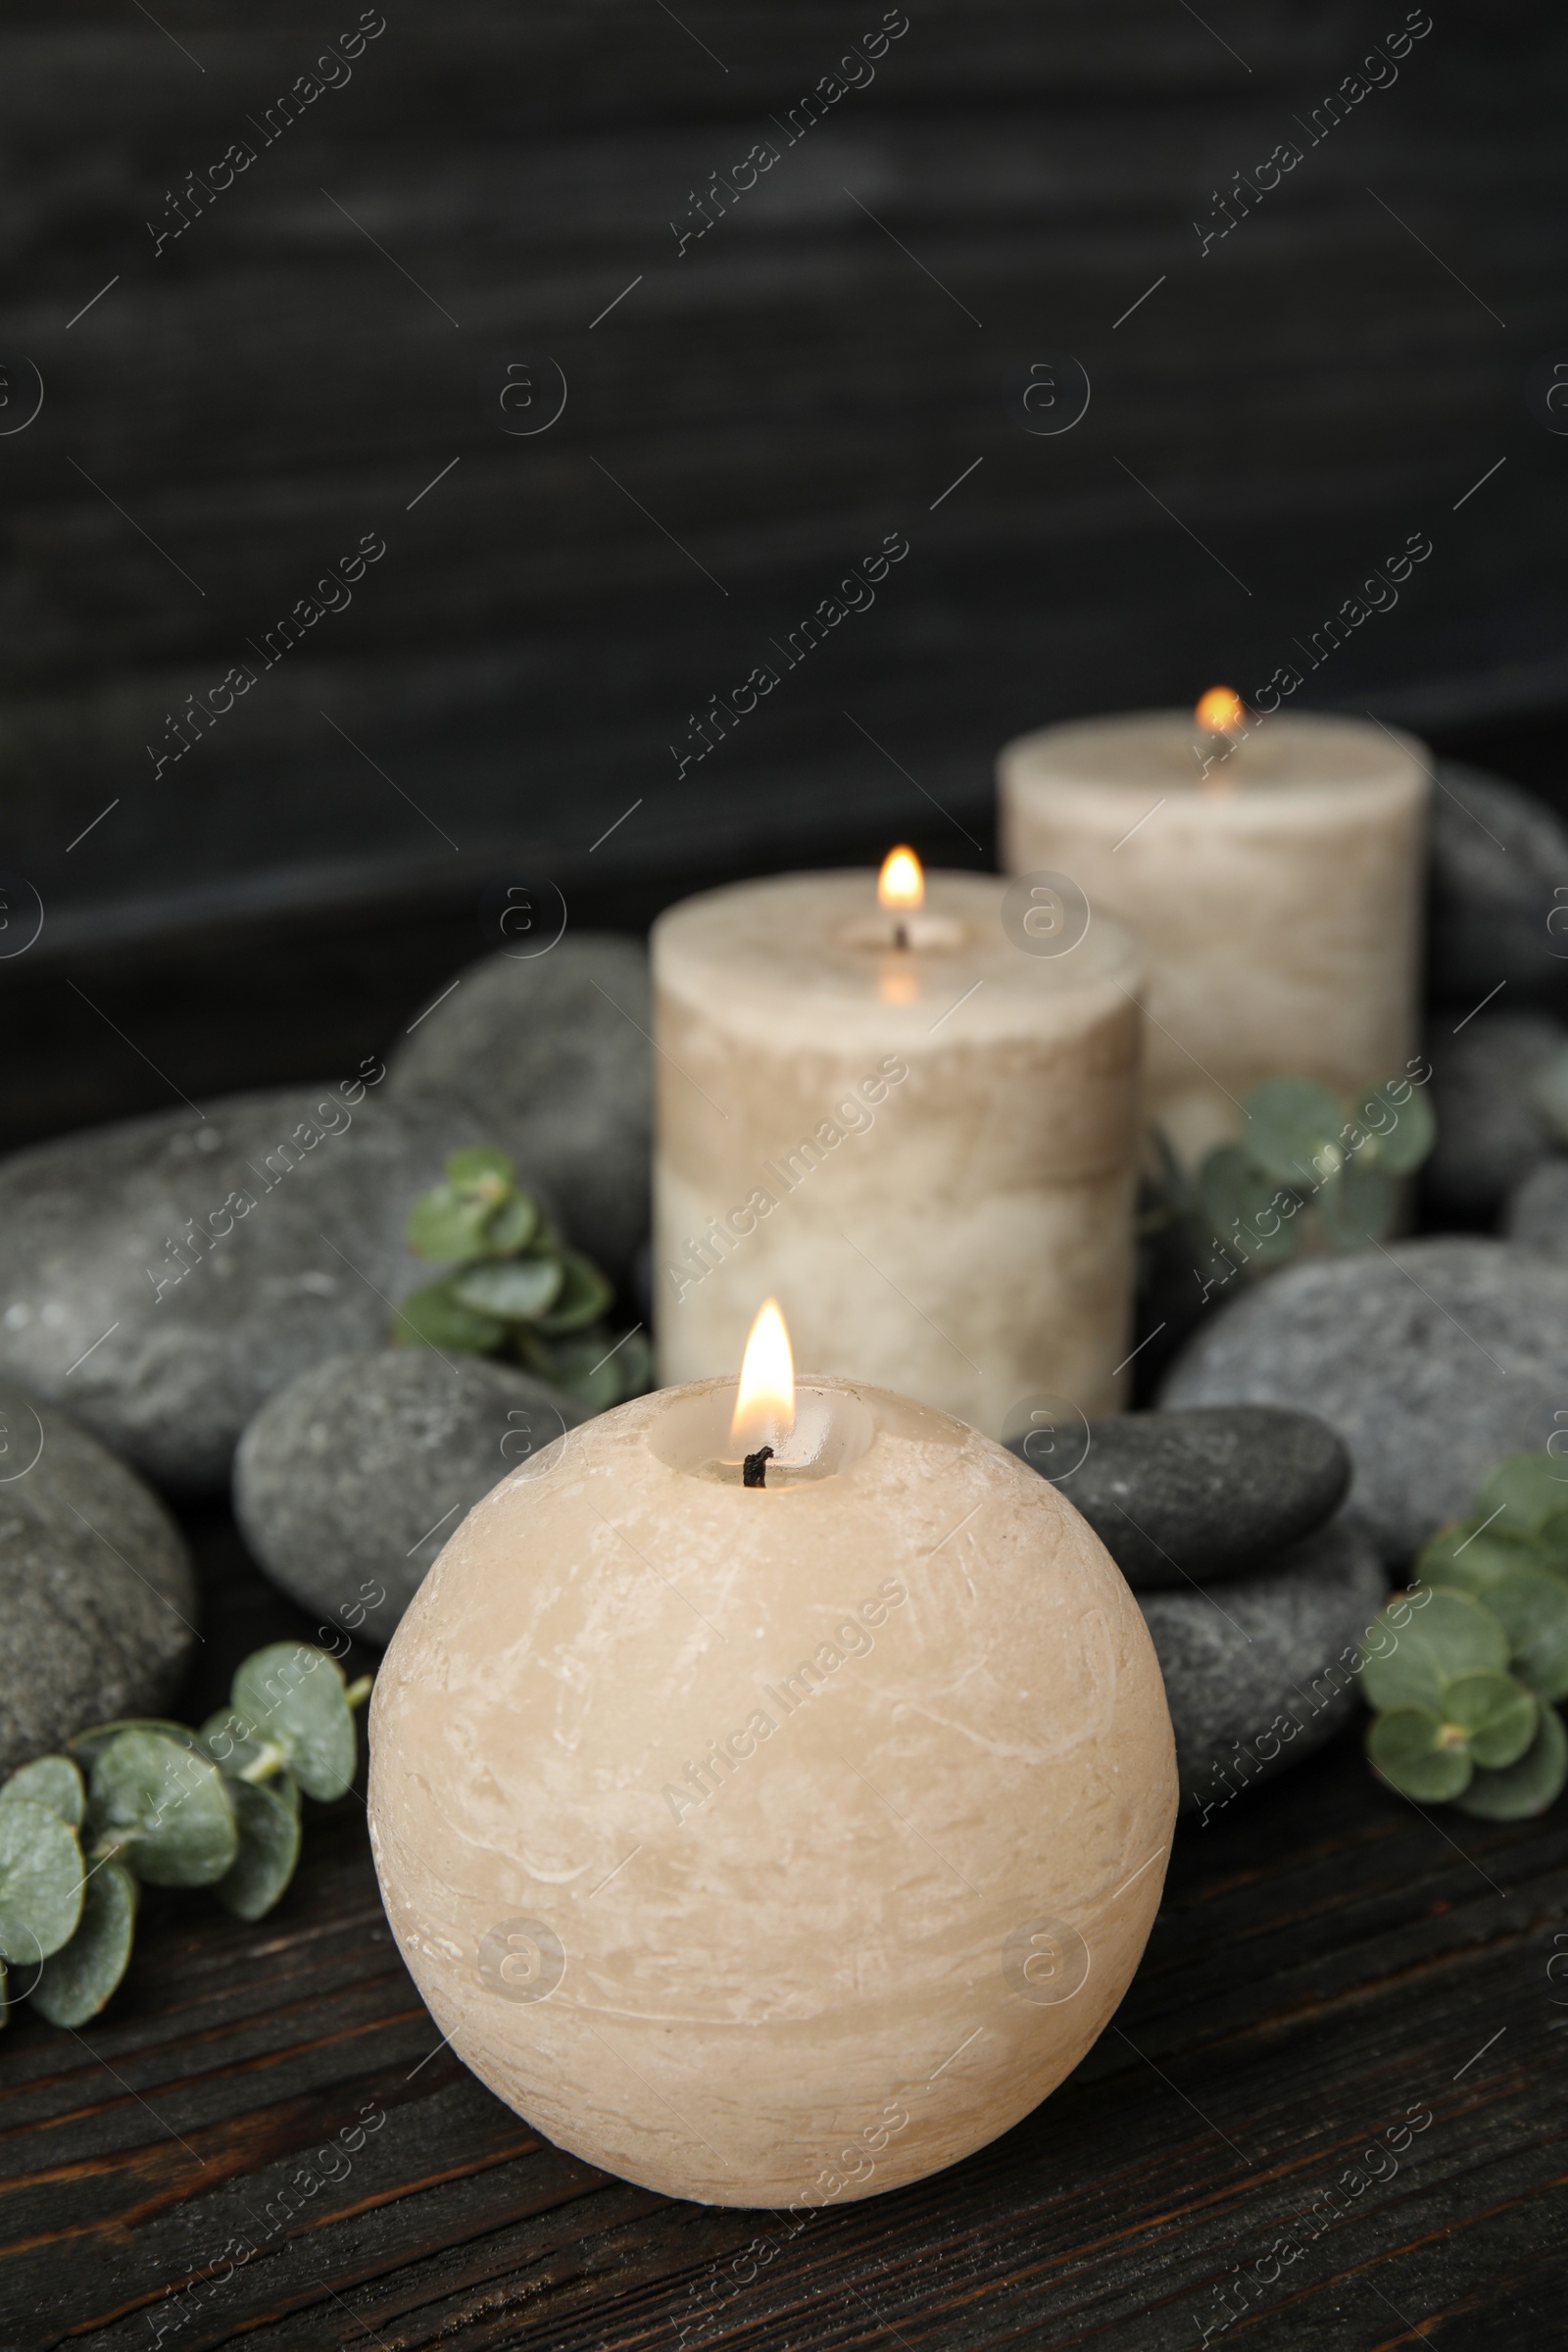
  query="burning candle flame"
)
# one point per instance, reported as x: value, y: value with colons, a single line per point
x: 1219, y: 712
x: 764, y: 1403
x: 901, y: 882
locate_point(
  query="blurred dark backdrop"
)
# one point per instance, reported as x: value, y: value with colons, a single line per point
x: 303, y: 363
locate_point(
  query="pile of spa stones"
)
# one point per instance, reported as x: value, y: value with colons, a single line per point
x: 1259, y: 1593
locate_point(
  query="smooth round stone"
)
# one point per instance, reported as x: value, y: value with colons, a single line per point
x: 1496, y: 857
x: 1489, y: 1131
x: 1261, y: 1673
x: 550, y: 1057
x: 168, y: 1365
x: 1433, y: 1360
x: 1203, y: 1493
x: 97, y: 1596
x: 349, y: 1481
x: 1536, y: 1216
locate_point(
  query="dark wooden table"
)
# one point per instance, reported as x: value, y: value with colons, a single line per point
x: 1330, y: 1967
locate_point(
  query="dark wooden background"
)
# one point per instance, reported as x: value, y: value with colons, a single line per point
x: 271, y: 386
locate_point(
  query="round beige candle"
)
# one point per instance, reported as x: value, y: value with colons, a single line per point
x: 926, y: 1152
x: 771, y: 1846
x: 1277, y: 898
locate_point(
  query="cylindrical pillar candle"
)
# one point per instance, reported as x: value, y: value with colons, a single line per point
x: 1274, y: 880
x: 925, y: 1150
x: 779, y: 1845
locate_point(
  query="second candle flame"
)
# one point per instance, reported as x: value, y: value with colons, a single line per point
x: 901, y: 882
x: 1220, y: 711
x: 764, y: 1403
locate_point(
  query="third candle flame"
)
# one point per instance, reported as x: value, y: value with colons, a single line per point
x: 901, y: 882
x: 1220, y: 711
x: 764, y: 1403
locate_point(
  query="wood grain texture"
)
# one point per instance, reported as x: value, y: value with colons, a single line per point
x: 747, y: 419
x: 1327, y: 1962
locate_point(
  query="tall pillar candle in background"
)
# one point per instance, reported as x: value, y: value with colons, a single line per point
x: 1273, y: 875
x: 914, y: 1129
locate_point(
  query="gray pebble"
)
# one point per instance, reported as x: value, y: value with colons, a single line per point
x: 1496, y: 854
x: 1433, y: 1360
x: 118, y: 1300
x: 1491, y: 1131
x: 351, y: 1479
x: 548, y: 1057
x: 1536, y: 1216
x: 1204, y: 1493
x: 97, y: 1596
x: 1261, y: 1673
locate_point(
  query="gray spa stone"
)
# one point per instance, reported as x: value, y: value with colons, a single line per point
x: 97, y: 1596
x: 550, y: 1057
x: 1491, y: 1131
x: 350, y: 1480
x: 1496, y: 856
x: 1209, y: 1492
x: 1261, y: 1671
x: 1537, y: 1214
x: 113, y: 1305
x: 1431, y: 1359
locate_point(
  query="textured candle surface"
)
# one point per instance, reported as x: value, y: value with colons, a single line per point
x: 1278, y: 899
x: 925, y: 1154
x: 771, y: 1847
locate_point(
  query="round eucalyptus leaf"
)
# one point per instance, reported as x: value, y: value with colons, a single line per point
x: 519, y: 1288
x: 51, y: 1781
x: 268, y: 1848
x: 1402, y: 1133
x: 294, y: 1695
x: 480, y: 1168
x: 165, y: 1808
x: 1528, y: 1786
x: 1356, y: 1208
x: 1241, y: 1202
x: 1472, y: 1558
x: 231, y: 1742
x: 40, y: 1882
x: 1407, y: 1747
x: 1450, y: 1635
x: 582, y: 1363
x: 633, y: 1360
x: 1496, y: 1714
x: 513, y: 1225
x: 1285, y: 1122
x: 1527, y: 1488
x: 1533, y: 1611
x: 584, y: 1296
x: 438, y: 1317
x: 87, y: 1747
x: 1549, y: 1542
x: 447, y: 1225
x: 77, y: 1981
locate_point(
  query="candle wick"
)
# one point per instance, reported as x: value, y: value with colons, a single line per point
x: 754, y: 1470
x: 901, y: 935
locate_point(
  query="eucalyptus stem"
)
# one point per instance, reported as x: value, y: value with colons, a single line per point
x: 143, y: 1801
